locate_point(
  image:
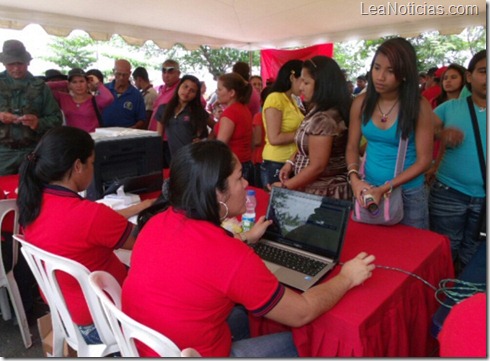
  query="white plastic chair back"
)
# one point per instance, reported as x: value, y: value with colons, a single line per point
x: 8, y: 284
x: 45, y: 265
x: 125, y: 328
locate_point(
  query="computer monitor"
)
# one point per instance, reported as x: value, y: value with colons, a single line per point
x: 130, y: 157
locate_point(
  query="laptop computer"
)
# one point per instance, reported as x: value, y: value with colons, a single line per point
x: 306, y: 237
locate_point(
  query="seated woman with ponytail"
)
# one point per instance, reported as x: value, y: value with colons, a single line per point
x: 57, y: 219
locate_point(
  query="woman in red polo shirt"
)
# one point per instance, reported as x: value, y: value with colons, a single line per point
x: 57, y: 219
x: 188, y: 274
x: 235, y: 124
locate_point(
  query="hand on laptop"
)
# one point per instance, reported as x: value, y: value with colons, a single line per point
x: 358, y: 269
x: 258, y: 230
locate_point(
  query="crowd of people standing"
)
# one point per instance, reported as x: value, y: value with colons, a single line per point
x: 315, y: 134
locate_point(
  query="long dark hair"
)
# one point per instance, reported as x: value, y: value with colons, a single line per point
x: 403, y: 60
x: 51, y: 160
x: 197, y: 171
x: 242, y: 88
x: 199, y: 116
x: 330, y: 86
x: 283, y: 80
x: 462, y: 73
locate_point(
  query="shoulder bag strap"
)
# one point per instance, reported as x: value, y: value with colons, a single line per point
x: 402, y: 152
x: 97, y: 112
x: 476, y: 130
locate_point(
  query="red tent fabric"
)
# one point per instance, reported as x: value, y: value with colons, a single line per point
x: 271, y: 60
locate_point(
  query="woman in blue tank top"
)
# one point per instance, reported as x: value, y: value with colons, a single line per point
x: 392, y: 108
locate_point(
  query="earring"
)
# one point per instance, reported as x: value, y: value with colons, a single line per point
x: 226, y: 209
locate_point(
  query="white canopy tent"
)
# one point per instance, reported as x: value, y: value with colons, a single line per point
x: 242, y: 24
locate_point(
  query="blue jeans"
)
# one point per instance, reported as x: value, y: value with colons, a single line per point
x: 269, y: 172
x: 456, y: 215
x: 90, y: 334
x: 274, y: 345
x: 415, y: 207
x: 91, y: 337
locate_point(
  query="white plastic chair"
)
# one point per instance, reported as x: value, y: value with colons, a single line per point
x: 125, y: 328
x: 44, y: 266
x: 8, y: 284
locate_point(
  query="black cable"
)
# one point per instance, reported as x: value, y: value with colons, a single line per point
x: 460, y: 290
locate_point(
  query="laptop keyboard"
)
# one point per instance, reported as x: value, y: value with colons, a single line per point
x: 294, y: 261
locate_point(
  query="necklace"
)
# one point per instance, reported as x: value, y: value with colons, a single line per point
x: 384, y: 116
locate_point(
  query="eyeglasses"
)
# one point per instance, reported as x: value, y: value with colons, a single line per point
x: 118, y: 74
x: 168, y: 69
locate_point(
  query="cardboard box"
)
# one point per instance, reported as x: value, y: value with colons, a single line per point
x: 46, y: 334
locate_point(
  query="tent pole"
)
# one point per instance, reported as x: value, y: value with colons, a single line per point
x: 250, y: 60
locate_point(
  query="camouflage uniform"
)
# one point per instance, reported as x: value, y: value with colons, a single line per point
x: 25, y: 96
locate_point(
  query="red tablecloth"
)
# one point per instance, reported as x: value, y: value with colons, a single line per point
x: 390, y: 315
x: 8, y: 185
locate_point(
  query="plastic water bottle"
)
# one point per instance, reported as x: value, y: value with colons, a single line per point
x: 248, y: 218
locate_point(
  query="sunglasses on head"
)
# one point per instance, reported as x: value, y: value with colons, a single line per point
x: 168, y: 69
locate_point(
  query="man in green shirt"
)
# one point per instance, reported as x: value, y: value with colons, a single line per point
x: 27, y: 107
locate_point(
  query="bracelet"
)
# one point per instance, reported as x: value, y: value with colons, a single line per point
x: 351, y: 172
x: 243, y: 237
x: 352, y: 164
x: 388, y: 193
x: 291, y: 162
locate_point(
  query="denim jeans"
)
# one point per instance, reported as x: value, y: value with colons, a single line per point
x: 274, y: 345
x: 269, y: 172
x: 90, y: 334
x: 415, y: 207
x: 456, y: 215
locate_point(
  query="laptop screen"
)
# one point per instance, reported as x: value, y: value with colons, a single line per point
x: 306, y: 221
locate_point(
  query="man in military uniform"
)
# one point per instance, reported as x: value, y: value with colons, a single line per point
x: 27, y: 107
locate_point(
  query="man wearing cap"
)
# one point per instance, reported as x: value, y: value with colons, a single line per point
x: 171, y: 78
x: 27, y: 107
x: 128, y: 108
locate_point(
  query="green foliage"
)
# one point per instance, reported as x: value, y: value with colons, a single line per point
x: 432, y: 49
x: 216, y: 61
x: 148, y: 55
x: 72, y: 52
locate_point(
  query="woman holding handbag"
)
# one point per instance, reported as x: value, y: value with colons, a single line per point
x: 80, y: 108
x: 392, y: 110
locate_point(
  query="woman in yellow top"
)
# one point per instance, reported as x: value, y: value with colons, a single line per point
x: 282, y: 116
